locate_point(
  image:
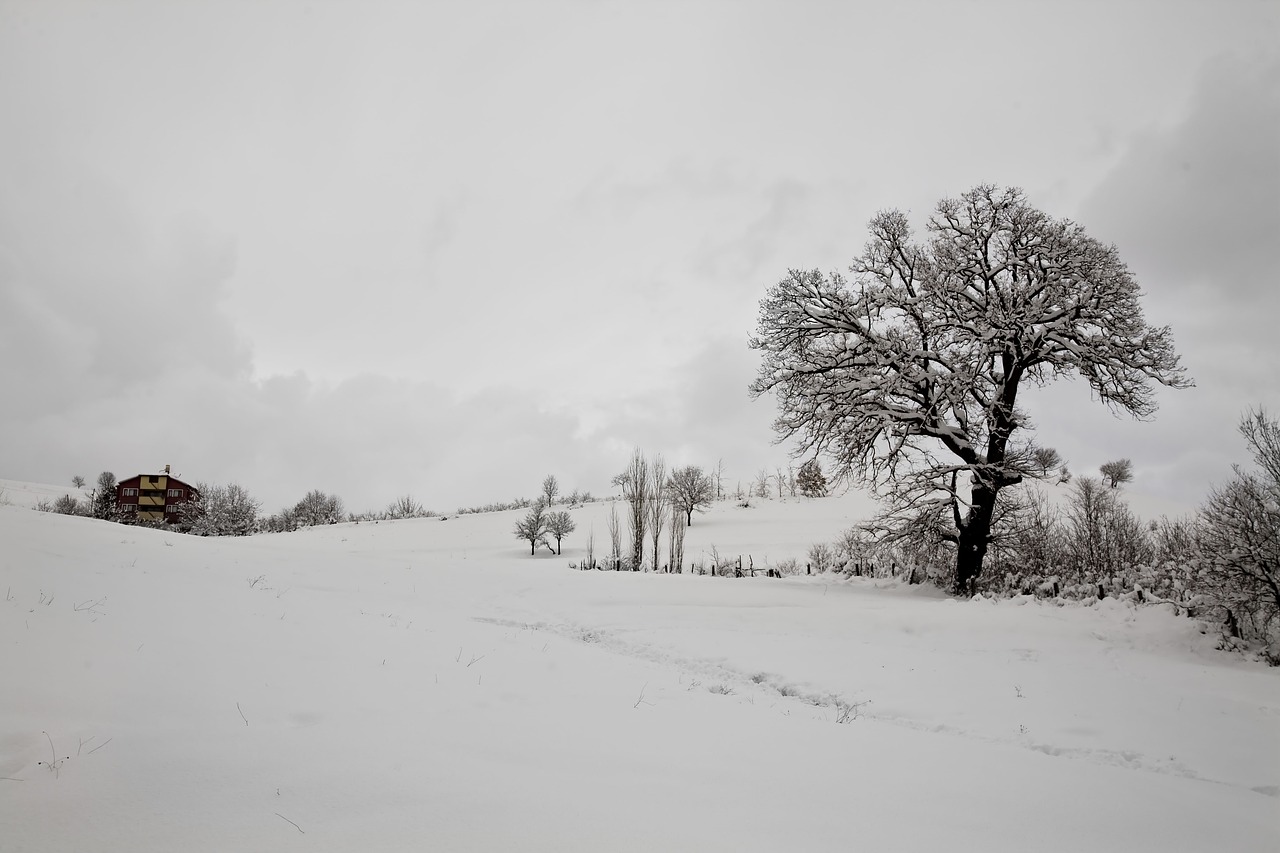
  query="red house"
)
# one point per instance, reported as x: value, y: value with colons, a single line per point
x: 153, y: 497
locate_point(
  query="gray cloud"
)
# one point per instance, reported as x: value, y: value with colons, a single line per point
x: 1194, y: 208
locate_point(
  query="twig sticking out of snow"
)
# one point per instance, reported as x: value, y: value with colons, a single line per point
x: 295, y: 826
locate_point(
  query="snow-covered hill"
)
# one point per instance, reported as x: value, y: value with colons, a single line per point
x: 27, y: 495
x: 427, y: 685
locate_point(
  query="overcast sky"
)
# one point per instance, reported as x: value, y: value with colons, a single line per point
x: 447, y: 248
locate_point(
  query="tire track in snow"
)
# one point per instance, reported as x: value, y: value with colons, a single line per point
x: 703, y: 668
x: 714, y: 670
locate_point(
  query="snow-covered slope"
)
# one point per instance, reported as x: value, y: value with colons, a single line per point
x: 427, y: 685
x: 27, y: 495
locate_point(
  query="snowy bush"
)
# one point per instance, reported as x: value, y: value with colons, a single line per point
x: 67, y: 505
x: 220, y: 511
x: 821, y: 557
x: 1239, y: 544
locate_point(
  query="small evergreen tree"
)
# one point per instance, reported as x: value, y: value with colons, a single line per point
x: 104, y: 497
x: 811, y: 480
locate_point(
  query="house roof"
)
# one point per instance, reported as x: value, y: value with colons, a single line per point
x: 173, y: 481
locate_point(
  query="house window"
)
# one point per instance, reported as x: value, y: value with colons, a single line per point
x: 175, y: 493
x: 130, y: 507
x: 130, y: 493
x: 171, y: 509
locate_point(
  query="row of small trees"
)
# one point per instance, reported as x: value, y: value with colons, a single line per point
x: 809, y: 481
x: 656, y: 501
x: 541, y: 523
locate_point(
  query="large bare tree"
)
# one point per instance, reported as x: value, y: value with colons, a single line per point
x: 908, y: 375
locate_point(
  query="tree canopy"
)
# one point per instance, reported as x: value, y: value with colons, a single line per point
x: 907, y: 375
x: 690, y: 488
x: 533, y: 528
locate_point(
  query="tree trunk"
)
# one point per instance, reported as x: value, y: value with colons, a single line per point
x: 688, y: 522
x: 532, y: 547
x: 975, y: 532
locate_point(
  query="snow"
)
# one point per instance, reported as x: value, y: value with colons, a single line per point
x: 426, y: 684
x: 17, y: 493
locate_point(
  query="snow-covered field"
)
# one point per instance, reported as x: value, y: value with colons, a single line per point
x: 427, y: 685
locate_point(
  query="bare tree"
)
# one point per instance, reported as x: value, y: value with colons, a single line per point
x: 690, y: 489
x: 404, y: 507
x: 77, y: 481
x: 550, y: 488
x: 909, y: 375
x: 760, y: 486
x: 1240, y: 540
x: 559, y: 525
x: 1037, y: 539
x: 718, y: 476
x: 318, y: 508
x: 675, y: 543
x: 533, y: 527
x: 779, y: 480
x: 1047, y: 459
x: 657, y: 504
x: 634, y: 482
x: 1117, y: 471
x: 615, y: 537
x: 792, y: 483
x: 1102, y: 534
